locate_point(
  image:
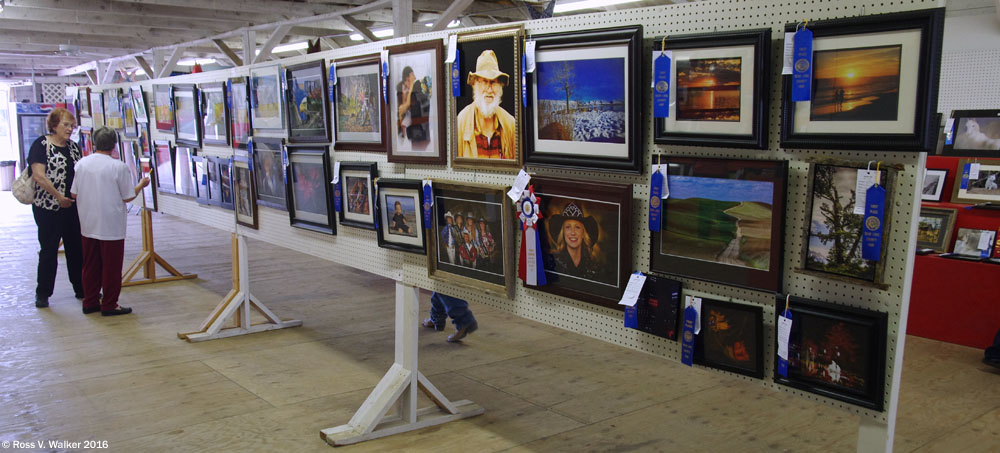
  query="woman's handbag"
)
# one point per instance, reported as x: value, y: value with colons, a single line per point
x: 24, y: 188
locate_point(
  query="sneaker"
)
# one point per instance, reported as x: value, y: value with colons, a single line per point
x: 41, y: 302
x: 429, y: 323
x: 119, y: 310
x: 463, y: 332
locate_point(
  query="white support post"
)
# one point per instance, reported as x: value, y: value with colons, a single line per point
x: 175, y: 56
x: 249, y: 46
x: 402, y: 17
x: 237, y: 305
x: 398, y: 388
x: 272, y: 41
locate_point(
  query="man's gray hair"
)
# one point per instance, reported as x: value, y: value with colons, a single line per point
x: 105, y: 139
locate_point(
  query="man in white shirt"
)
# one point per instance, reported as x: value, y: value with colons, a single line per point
x: 101, y: 188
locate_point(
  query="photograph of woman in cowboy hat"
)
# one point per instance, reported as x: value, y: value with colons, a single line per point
x: 573, y: 238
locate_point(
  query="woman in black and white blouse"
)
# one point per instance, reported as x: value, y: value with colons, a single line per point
x: 52, y: 158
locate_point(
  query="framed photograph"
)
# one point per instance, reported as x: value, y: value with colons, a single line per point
x: 720, y: 93
x: 731, y: 338
x: 974, y: 243
x: 113, y: 109
x: 308, y: 109
x: 486, y: 117
x: 139, y: 104
x: 215, y: 114
x: 874, y: 84
x: 934, y: 230
x: 148, y: 193
x: 974, y: 133
x: 83, y: 100
x: 983, y: 187
x: 584, y: 111
x: 144, y: 143
x: 359, y: 114
x: 201, y: 179
x: 97, y: 108
x: 214, y: 180
x: 401, y: 215
x: 357, y: 182
x: 933, y: 184
x: 723, y: 222
x: 225, y: 167
x: 244, y: 192
x: 267, y: 102
x: 835, y: 351
x: 163, y: 159
x: 131, y: 127
x: 187, y: 119
x: 309, y: 189
x: 131, y: 157
x: 457, y: 211
x: 833, y: 245
x: 586, y: 238
x: 240, y: 127
x: 416, y: 100
x: 86, y: 141
x: 269, y: 162
x: 184, y: 182
x: 163, y: 108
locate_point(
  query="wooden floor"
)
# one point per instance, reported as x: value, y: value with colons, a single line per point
x: 129, y: 380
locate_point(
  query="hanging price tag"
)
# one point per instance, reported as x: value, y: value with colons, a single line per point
x: 696, y: 303
x: 428, y: 203
x: 529, y: 55
x: 984, y: 242
x: 871, y: 240
x: 666, y: 181
x: 866, y: 179
x: 788, y: 58
x: 974, y: 170
x: 337, y: 192
x: 687, y: 335
x: 784, y: 332
x: 456, y: 80
x: 631, y: 294
x: 661, y: 84
x: 519, y: 184
x: 802, y: 68
x: 452, y: 49
x: 655, y: 199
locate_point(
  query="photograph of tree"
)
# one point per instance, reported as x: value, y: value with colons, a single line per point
x: 581, y: 100
x: 834, y: 229
x: 860, y: 84
x: 358, y: 101
x: 708, y: 89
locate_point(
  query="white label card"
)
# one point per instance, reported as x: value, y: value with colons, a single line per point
x: 336, y: 173
x: 784, y: 331
x: 666, y: 184
x: 519, y: 184
x: 696, y: 303
x: 529, y: 56
x: 452, y: 46
x: 974, y: 171
x: 789, y: 56
x: 866, y: 179
x: 984, y: 240
x: 631, y: 295
x: 948, y: 125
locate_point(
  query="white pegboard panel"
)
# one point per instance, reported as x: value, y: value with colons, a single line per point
x: 358, y: 248
x: 969, y: 80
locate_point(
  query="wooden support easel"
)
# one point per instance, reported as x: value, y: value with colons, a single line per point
x: 399, y: 387
x: 148, y: 258
x: 237, y: 305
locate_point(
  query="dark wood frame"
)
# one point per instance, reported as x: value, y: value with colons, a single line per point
x: 877, y: 324
x: 203, y: 91
x: 439, y: 93
x: 157, y: 89
x: 227, y: 163
x: 507, y: 223
x: 343, y: 144
x: 769, y: 280
x: 372, y: 170
x: 156, y: 163
x: 141, y: 99
x: 958, y: 115
x: 245, y: 162
x: 278, y: 143
x: 291, y: 108
x: 630, y: 36
x: 279, y: 76
x: 315, y: 150
x: 607, y: 192
x: 948, y: 215
x: 234, y: 107
x: 699, y: 340
x: 924, y: 136
x: 414, y: 185
x: 760, y: 39
x: 192, y: 91
x: 961, y: 174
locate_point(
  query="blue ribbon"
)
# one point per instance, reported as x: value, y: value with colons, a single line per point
x: 332, y: 75
x: 524, y: 78
x: 254, y: 81
x: 385, y: 83
x: 631, y: 317
x: 966, y: 170
x: 655, y: 202
x: 337, y: 196
x: 428, y: 200
x: 687, y: 336
x: 871, y: 240
x: 661, y: 88
x: 456, y: 81
x: 802, y: 67
x: 539, y: 264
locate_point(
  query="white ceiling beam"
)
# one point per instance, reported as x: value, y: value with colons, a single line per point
x: 92, y: 76
x: 329, y: 43
x: 456, y: 8
x: 112, y: 20
x: 233, y: 58
x: 360, y: 29
x: 139, y: 60
x: 272, y: 41
x: 88, y: 8
x: 402, y: 17
x: 249, y: 45
x: 175, y: 56
x: 263, y: 7
x: 79, y: 68
x: 109, y: 73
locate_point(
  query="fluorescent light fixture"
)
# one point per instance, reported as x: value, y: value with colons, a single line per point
x: 383, y: 33
x: 565, y: 7
x: 451, y: 24
x: 193, y: 61
x: 140, y: 71
x: 290, y: 47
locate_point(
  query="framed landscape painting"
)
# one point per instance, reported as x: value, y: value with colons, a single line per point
x: 835, y: 351
x: 267, y: 101
x: 244, y: 193
x: 359, y: 113
x: 586, y: 241
x: 113, y: 109
x: 269, y: 162
x: 731, y: 338
x: 486, y: 117
x: 215, y: 114
x: 874, y: 84
x: 357, y: 182
x: 974, y: 133
x: 240, y: 128
x: 720, y: 90
x: 457, y: 210
x: 163, y: 159
x: 308, y: 109
x: 933, y: 184
x: 163, y: 108
x: 139, y: 104
x: 97, y: 108
x: 935, y: 227
x: 187, y: 119
x: 309, y: 189
x: 584, y: 102
x: 400, y: 222
x: 977, y: 186
x: 416, y: 100
x: 723, y: 222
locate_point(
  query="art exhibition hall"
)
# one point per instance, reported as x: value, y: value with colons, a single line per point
x: 500, y: 225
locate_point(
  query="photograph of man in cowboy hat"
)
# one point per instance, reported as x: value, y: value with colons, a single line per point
x: 485, y: 127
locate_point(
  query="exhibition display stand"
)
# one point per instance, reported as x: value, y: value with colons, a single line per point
x: 148, y: 259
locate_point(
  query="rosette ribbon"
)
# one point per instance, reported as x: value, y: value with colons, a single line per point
x: 530, y: 268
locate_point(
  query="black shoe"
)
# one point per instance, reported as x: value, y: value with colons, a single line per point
x: 463, y: 332
x: 117, y: 311
x: 79, y: 295
x: 41, y: 302
x: 89, y: 310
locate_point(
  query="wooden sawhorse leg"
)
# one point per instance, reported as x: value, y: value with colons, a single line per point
x: 148, y: 258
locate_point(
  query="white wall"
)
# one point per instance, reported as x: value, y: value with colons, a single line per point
x: 970, y: 63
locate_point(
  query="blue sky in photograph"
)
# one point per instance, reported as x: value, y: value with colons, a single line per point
x: 683, y: 187
x: 599, y: 79
x: 405, y: 202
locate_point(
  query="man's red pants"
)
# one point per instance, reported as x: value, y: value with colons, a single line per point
x: 102, y: 270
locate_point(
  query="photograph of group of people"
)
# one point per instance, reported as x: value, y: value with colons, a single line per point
x: 471, y: 235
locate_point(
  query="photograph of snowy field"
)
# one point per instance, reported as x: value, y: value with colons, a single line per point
x: 582, y: 100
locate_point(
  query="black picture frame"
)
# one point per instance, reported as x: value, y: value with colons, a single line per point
x: 227, y: 196
x: 139, y: 104
x: 935, y: 227
x: 214, y: 114
x: 357, y: 195
x: 916, y: 86
x: 580, y: 47
x: 163, y: 108
x: 315, y: 128
x: 973, y: 133
x: 147, y: 169
x: 113, y: 109
x: 355, y: 74
x: 724, y: 343
x: 244, y: 192
x: 317, y: 178
x: 685, y: 247
x: 934, y: 181
x: 130, y: 127
x: 408, y: 189
x: 184, y: 180
x: 240, y: 125
x: 811, y: 318
x: 200, y: 171
x: 187, y: 115
x: 269, y: 161
x: 753, y: 49
x: 165, y: 181
x: 426, y: 57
